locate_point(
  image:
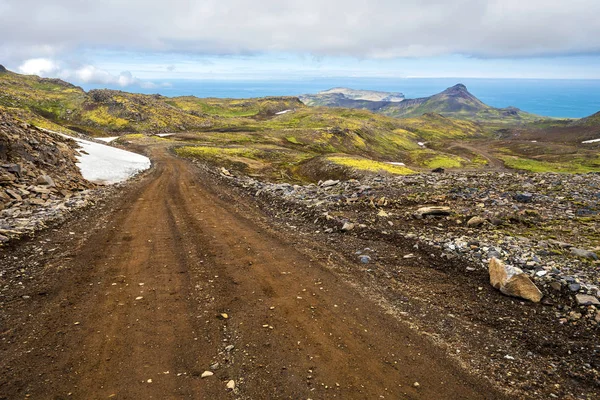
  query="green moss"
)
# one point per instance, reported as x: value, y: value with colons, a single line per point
x: 292, y: 140
x: 363, y: 164
x: 576, y: 166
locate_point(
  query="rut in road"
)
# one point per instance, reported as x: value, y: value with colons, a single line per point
x: 173, y: 258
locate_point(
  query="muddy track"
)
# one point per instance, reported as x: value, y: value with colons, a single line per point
x: 131, y: 309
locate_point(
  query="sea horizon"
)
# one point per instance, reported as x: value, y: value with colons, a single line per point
x: 557, y: 98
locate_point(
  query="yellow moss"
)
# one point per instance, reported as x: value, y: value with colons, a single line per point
x: 364, y: 164
x: 101, y: 116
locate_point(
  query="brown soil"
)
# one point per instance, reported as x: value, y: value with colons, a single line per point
x: 125, y: 303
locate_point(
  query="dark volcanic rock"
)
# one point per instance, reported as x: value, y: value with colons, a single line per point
x: 2, y: 69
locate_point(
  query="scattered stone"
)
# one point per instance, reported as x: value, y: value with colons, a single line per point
x: 44, y: 180
x: 584, y: 253
x: 574, y: 287
x: 206, y: 374
x: 231, y: 385
x: 476, y: 222
x: 329, y: 183
x: 523, y: 197
x: 587, y: 300
x: 348, y: 226
x: 364, y: 259
x: 438, y: 170
x: 416, y: 384
x: 433, y: 210
x: 223, y: 316
x: 511, y: 281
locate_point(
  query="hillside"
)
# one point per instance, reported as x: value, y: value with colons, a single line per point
x: 455, y: 102
x: 51, y: 102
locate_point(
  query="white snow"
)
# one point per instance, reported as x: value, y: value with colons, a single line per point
x: 107, y: 139
x: 591, y: 141
x: 401, y: 164
x: 534, y: 141
x: 283, y: 112
x: 104, y: 164
x: 164, y: 134
x: 422, y: 144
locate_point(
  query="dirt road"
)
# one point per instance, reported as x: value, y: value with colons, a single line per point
x: 130, y: 307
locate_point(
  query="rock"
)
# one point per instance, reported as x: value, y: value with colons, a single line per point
x: 223, y: 316
x: 229, y: 348
x: 44, y: 180
x: 574, y: 287
x: 3, y: 239
x: 365, y: 259
x: 14, y: 169
x: 476, y: 222
x: 584, y: 253
x: 512, y: 281
x: 231, y: 385
x: 439, y: 170
x: 206, y: 374
x: 225, y: 172
x: 433, y: 210
x: 523, y: 197
x: 329, y: 183
x: 348, y: 226
x: 587, y: 300
x: 14, y: 195
x: 597, y: 317
x: 556, y: 286
x: 2, y: 69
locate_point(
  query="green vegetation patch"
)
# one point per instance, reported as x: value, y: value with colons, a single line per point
x: 363, y: 164
x: 576, y: 166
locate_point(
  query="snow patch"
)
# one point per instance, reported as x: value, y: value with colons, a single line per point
x: 107, y: 139
x: 104, y: 164
x: 164, y: 134
x: 400, y: 164
x: 422, y: 144
x: 283, y: 112
x: 591, y: 141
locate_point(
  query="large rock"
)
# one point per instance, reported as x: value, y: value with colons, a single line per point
x: 476, y: 222
x: 44, y: 180
x: 433, y: 210
x: 584, y: 253
x: 587, y: 300
x: 511, y: 281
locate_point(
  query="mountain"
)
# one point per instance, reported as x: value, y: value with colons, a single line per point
x: 455, y: 102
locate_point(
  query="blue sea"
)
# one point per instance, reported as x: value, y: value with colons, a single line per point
x: 552, y: 98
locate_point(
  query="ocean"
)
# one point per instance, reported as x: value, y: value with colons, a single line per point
x: 547, y: 97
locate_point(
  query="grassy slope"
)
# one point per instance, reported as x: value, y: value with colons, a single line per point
x: 350, y: 137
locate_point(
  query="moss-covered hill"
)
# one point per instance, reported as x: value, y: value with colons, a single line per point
x: 455, y: 102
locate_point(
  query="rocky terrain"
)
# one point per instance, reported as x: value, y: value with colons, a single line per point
x: 544, y: 224
x: 39, y: 180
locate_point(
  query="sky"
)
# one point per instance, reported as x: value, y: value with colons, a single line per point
x: 146, y: 43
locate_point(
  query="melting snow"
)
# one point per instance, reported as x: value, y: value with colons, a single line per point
x: 164, y: 134
x: 401, y: 164
x: 591, y: 141
x: 100, y: 163
x: 283, y: 112
x: 107, y: 139
x: 422, y: 144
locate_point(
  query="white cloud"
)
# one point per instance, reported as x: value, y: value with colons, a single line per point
x: 39, y: 66
x: 46, y: 67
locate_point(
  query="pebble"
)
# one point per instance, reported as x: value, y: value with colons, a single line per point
x: 206, y: 374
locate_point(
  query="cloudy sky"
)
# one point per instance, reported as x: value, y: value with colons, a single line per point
x: 148, y: 42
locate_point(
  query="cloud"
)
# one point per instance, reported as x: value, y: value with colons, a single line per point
x: 357, y: 28
x: 81, y: 74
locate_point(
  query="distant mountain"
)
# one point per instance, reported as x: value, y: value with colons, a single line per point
x: 341, y: 93
x: 456, y: 102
